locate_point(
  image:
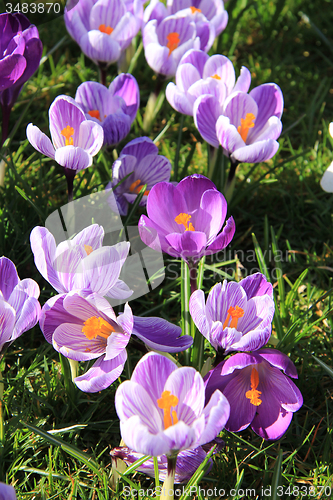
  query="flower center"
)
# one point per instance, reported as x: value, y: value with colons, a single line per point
x: 234, y: 313
x: 88, y: 249
x: 246, y: 124
x: 94, y: 113
x: 253, y: 394
x: 67, y: 132
x: 97, y: 326
x: 166, y: 401
x: 194, y: 10
x: 216, y: 76
x: 173, y: 41
x: 136, y: 187
x: 184, y: 219
x: 105, y: 29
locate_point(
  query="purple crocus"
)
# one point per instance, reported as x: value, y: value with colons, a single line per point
x: 19, y: 306
x: 85, y: 327
x: 141, y: 160
x: 7, y: 492
x: 166, y: 42
x: 20, y: 53
x: 103, y: 28
x: 81, y: 263
x: 235, y: 318
x: 198, y: 74
x: 247, y: 125
x: 185, y: 220
x: 114, y: 108
x: 258, y: 393
x: 162, y: 410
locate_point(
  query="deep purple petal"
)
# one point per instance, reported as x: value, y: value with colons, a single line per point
x: 54, y: 314
x: 11, y: 68
x: 256, y: 285
x: 189, y: 244
x: 164, y: 204
x: 279, y: 360
x: 8, y: 277
x: 224, y: 238
x: 116, y: 127
x: 159, y: 334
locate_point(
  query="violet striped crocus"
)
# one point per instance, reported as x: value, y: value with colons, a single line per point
x: 162, y: 409
x: 114, y: 108
x: 19, y: 306
x: 259, y: 394
x: 236, y: 316
x: 103, y: 28
x: 7, y: 492
x: 141, y: 160
x: 81, y: 263
x: 185, y: 220
x: 247, y: 125
x: 84, y: 327
x: 198, y: 74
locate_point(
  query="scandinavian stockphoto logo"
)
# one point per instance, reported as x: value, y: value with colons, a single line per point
x: 143, y: 269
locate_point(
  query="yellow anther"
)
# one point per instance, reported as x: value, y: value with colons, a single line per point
x: 194, y: 10
x: 173, y: 41
x: 216, y: 77
x: 184, y: 219
x: 166, y: 401
x: 94, y: 113
x: 136, y: 187
x: 253, y: 395
x: 105, y: 29
x: 246, y: 124
x: 88, y: 249
x: 67, y: 132
x: 234, y: 313
x: 97, y: 326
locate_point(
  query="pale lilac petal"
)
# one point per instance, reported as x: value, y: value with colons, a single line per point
x: 152, y: 235
x: 243, y: 81
x: 54, y: 314
x: 159, y: 334
x: 7, y: 492
x: 187, y: 74
x: 63, y: 112
x: 43, y: 246
x: 238, y: 105
x: 109, y: 11
x: 28, y: 286
x: 271, y: 130
x: 257, y: 152
x: 100, y: 47
x: 269, y: 99
x: 119, y: 290
x: 195, y: 57
x: 7, y: 321
x: 40, y: 141
x: 126, y: 86
x: 178, y: 100
x: 227, y: 135
x: 253, y: 340
x: 137, y: 436
x: 102, y: 374
x: 216, y: 413
x: 206, y: 112
x: 221, y: 66
x: 73, y: 158
x: 27, y: 312
x: 8, y: 277
x: 211, y: 214
x: 69, y: 340
x: 182, y: 436
x: 187, y: 385
x: 92, y: 236
x: 198, y: 312
x: 91, y: 137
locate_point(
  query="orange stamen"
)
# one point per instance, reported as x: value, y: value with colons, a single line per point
x: 194, y: 10
x: 166, y: 401
x: 184, y: 219
x: 88, y: 249
x: 67, y: 132
x: 105, y: 29
x: 136, y: 187
x: 173, y: 41
x: 234, y: 313
x: 253, y: 394
x: 97, y: 326
x: 216, y: 76
x: 246, y: 124
x: 94, y: 113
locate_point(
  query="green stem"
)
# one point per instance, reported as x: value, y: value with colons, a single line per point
x: 212, y: 152
x: 180, y: 134
x: 2, y: 435
x: 185, y: 297
x: 196, y: 274
x: 168, y: 485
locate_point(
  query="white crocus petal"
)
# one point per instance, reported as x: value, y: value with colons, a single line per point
x: 327, y: 179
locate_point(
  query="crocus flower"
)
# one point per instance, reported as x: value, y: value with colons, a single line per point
x: 162, y: 411
x: 246, y: 125
x: 7, y: 492
x: 258, y: 393
x: 81, y: 263
x: 19, y: 306
x: 139, y: 158
x: 327, y: 179
x: 198, y: 74
x: 235, y: 318
x: 166, y: 42
x: 103, y: 28
x: 84, y: 328
x: 113, y: 108
x: 75, y: 138
x: 184, y: 220
x: 20, y: 53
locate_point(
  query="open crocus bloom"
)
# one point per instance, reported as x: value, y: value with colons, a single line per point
x: 114, y: 108
x: 166, y: 42
x: 198, y: 74
x: 139, y: 158
x: 327, y: 179
x: 103, y: 28
x: 161, y: 409
x: 83, y: 327
x: 75, y: 138
x: 7, y: 492
x: 81, y: 263
x: 258, y: 393
x: 19, y: 307
x: 246, y: 126
x: 235, y: 318
x: 184, y: 220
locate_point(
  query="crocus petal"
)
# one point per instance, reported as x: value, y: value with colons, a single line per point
x: 326, y: 181
x: 8, y: 277
x: 69, y: 340
x: 126, y: 86
x: 7, y: 321
x: 40, y: 141
x: 187, y: 385
x: 178, y: 100
x: 139, y: 438
x: 279, y: 360
x: 206, y: 111
x: 257, y: 152
x: 198, y: 312
x: 54, y: 314
x: 102, y: 374
x: 243, y: 81
x: 119, y: 290
x: 63, y: 112
x: 221, y: 66
x: 224, y: 238
x: 256, y: 285
x: 73, y: 158
x: 100, y: 47
x: 268, y: 429
x: 188, y: 244
x: 116, y: 127
x: 227, y: 135
x: 91, y: 137
x: 140, y: 148
x: 11, y: 68
x: 269, y: 99
x: 43, y: 246
x: 242, y: 411
x: 216, y: 413
x: 27, y: 312
x: 159, y: 334
x: 164, y: 199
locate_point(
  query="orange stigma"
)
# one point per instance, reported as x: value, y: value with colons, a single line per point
x: 67, y: 132
x: 216, y: 77
x: 253, y: 394
x: 184, y: 219
x: 97, y: 326
x: 166, y: 401
x: 88, y: 249
x: 136, y: 187
x: 173, y: 41
x: 194, y: 10
x: 234, y: 313
x: 105, y: 29
x: 246, y: 124
x: 94, y: 113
